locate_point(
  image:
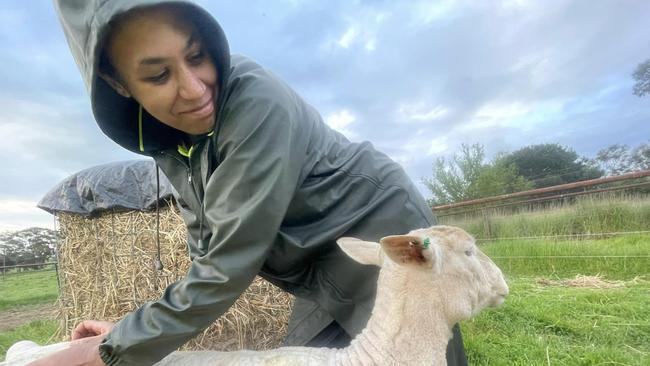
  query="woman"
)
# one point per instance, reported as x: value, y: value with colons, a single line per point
x: 265, y: 187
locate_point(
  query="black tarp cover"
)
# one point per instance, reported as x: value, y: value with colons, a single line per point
x: 126, y: 185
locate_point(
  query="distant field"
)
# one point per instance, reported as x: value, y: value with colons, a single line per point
x: 611, y: 213
x: 620, y: 257
x: 27, y: 288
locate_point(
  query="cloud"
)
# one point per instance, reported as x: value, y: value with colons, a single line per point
x: 420, y: 112
x: 427, y: 12
x: 348, y: 37
x: 20, y: 214
x: 50, y: 138
x: 358, y: 30
x: 497, y: 114
x: 341, y: 121
x: 438, y: 146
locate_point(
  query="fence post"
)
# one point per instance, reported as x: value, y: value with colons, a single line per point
x: 486, y: 224
x: 57, y: 246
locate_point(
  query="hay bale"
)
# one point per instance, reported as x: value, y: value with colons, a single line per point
x: 107, y: 268
x: 582, y: 281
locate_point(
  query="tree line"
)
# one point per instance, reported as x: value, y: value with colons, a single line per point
x: 467, y: 175
x: 33, y: 247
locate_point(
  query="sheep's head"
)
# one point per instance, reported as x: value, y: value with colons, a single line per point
x: 442, y: 256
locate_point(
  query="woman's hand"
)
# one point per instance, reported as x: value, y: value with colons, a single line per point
x: 82, y: 352
x: 84, y: 348
x: 90, y: 328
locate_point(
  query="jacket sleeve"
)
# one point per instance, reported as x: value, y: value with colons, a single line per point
x: 262, y: 147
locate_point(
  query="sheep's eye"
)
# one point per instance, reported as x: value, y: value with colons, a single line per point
x: 468, y: 253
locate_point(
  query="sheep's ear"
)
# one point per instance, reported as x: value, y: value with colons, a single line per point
x: 408, y: 250
x: 364, y: 252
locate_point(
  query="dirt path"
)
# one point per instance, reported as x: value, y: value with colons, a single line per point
x: 14, y: 317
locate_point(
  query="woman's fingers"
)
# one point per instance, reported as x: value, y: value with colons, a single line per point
x: 83, y: 353
x: 90, y: 328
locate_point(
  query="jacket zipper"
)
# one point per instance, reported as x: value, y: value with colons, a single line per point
x: 188, y: 167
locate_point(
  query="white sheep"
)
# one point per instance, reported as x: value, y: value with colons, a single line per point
x: 429, y: 280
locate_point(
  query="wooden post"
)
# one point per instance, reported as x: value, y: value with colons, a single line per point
x: 486, y: 224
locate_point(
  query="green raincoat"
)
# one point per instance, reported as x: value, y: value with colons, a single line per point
x: 267, y: 192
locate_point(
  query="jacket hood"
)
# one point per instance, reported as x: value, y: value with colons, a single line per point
x: 86, y: 24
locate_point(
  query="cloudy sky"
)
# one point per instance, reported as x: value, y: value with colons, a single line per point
x: 416, y: 78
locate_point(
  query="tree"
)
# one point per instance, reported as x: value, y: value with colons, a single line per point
x: 466, y: 176
x: 642, y: 77
x: 614, y: 159
x: 451, y: 181
x: 620, y: 159
x: 550, y: 164
x: 640, y: 157
x: 29, y: 246
x: 498, y: 178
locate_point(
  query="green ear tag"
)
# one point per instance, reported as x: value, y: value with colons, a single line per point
x: 427, y: 242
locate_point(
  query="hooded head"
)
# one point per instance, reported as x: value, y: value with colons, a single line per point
x: 153, y: 69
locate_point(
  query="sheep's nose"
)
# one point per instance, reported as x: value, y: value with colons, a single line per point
x: 504, y: 290
x: 501, y: 289
x: 499, y: 295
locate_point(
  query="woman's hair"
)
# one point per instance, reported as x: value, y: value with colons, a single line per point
x: 105, y: 66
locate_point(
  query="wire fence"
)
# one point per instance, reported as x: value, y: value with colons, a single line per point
x: 568, y: 256
x: 562, y: 188
x: 601, y: 223
x: 565, y: 236
x: 23, y: 269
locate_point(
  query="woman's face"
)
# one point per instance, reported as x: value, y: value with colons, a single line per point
x: 161, y: 62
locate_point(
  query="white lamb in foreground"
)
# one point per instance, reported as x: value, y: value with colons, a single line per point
x: 430, y: 279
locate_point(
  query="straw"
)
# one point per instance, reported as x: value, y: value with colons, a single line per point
x: 107, y: 269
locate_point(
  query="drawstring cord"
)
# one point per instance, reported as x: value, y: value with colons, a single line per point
x: 159, y: 265
x: 202, y: 245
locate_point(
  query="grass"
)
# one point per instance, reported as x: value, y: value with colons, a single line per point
x: 27, y: 288
x: 609, y: 213
x: 541, y: 325
x: 618, y: 257
x: 39, y: 331
x: 544, y: 323
x: 22, y: 289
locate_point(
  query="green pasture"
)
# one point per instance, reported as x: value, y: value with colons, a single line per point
x: 39, y: 331
x: 545, y: 320
x: 582, y: 215
x: 20, y: 290
x: 617, y: 257
x: 27, y: 288
x: 555, y: 325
